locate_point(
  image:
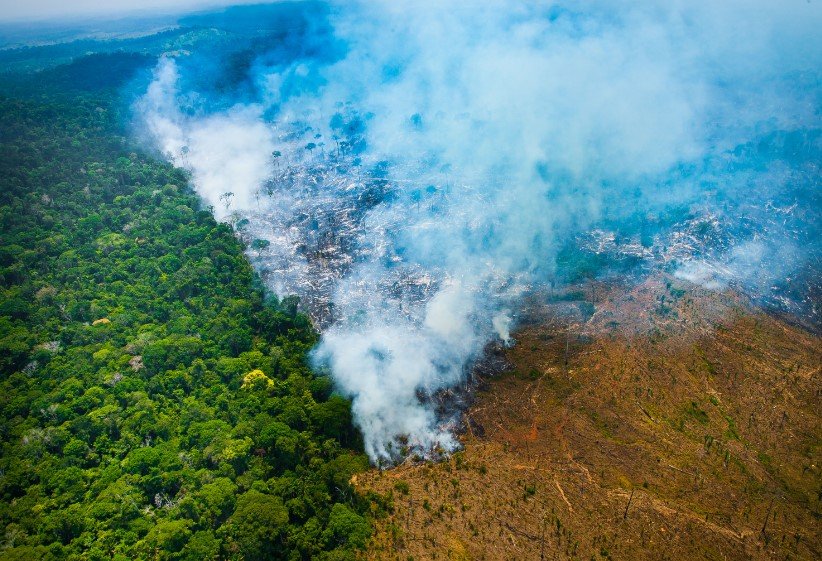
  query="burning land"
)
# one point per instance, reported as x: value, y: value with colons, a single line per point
x: 571, y: 293
x: 488, y: 279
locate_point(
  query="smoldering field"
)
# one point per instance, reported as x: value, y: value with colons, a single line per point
x: 412, y: 169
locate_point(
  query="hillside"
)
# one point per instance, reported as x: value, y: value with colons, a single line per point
x: 690, y: 430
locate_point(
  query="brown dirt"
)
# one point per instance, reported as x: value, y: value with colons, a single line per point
x: 678, y: 424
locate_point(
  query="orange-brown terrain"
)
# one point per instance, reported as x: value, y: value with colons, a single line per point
x: 673, y: 423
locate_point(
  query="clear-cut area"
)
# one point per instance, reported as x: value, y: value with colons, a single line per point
x: 690, y: 432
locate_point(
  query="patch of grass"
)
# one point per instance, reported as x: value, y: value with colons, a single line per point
x: 731, y: 433
x: 693, y: 411
x: 601, y: 424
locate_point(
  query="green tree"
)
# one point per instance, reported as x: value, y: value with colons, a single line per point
x: 257, y: 527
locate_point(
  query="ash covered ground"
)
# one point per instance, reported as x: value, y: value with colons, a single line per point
x: 327, y: 218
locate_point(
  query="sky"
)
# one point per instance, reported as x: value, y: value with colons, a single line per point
x: 15, y: 10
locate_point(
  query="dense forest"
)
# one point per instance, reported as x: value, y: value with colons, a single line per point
x: 156, y: 402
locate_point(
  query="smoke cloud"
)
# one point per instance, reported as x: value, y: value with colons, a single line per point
x: 412, y: 168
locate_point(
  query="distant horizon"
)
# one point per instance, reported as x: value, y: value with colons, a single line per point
x: 48, y: 12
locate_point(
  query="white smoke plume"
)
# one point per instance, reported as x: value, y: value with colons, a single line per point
x: 504, y: 128
x: 229, y: 154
